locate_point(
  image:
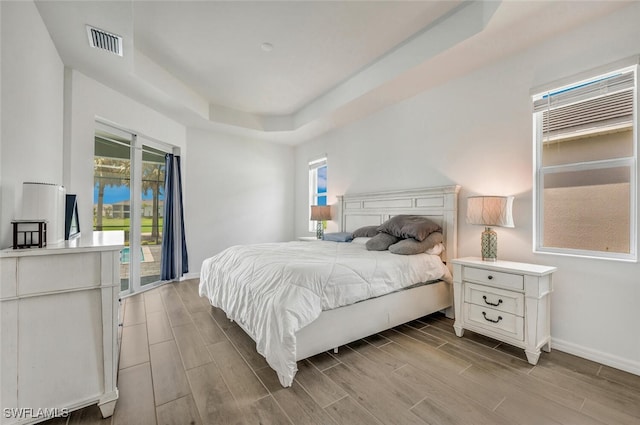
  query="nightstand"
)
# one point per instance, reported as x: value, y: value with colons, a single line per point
x: 504, y: 300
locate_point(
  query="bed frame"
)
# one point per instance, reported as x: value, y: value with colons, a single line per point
x: 346, y: 324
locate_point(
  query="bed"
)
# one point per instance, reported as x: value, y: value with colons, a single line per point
x: 290, y: 320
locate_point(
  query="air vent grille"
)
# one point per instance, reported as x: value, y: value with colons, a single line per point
x: 104, y: 40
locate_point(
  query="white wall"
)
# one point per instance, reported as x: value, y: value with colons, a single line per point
x: 48, y: 135
x: 31, y: 129
x: 476, y: 131
x: 88, y: 100
x: 240, y: 191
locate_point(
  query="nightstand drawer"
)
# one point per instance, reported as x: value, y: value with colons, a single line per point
x: 494, y: 278
x: 494, y: 298
x: 506, y: 324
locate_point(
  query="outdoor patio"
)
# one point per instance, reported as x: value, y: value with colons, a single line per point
x: 149, y: 267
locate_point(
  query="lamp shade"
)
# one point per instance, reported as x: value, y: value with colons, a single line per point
x: 320, y: 212
x: 490, y: 210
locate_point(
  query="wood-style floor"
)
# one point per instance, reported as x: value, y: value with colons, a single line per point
x: 182, y: 362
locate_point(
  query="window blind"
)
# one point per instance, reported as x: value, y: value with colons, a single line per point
x: 594, y: 106
x: 585, y: 91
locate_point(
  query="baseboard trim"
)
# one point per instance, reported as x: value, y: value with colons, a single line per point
x: 187, y: 276
x: 597, y: 356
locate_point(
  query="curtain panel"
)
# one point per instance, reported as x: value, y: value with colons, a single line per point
x: 175, y: 262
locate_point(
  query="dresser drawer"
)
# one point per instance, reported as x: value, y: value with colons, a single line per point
x: 494, y: 278
x: 506, y: 324
x: 494, y: 298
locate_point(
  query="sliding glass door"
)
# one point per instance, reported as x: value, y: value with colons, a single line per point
x: 152, y: 206
x: 112, y: 193
x: 129, y: 197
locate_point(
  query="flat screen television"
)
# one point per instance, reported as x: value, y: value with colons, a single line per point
x: 71, y: 223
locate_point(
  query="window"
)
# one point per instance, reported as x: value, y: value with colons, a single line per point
x: 317, y: 185
x: 585, y: 161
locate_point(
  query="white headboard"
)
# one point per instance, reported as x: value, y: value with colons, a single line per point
x: 440, y: 204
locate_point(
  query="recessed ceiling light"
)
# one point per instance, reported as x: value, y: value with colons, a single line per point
x: 267, y: 47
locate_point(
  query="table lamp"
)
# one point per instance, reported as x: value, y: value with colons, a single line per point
x: 490, y: 211
x: 320, y: 213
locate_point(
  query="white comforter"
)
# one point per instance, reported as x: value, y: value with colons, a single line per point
x: 273, y: 290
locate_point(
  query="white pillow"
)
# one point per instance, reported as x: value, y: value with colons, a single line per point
x: 360, y: 240
x: 436, y: 250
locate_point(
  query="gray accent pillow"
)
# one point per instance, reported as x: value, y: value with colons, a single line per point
x: 412, y: 246
x: 365, y: 232
x: 409, y: 226
x: 338, y: 237
x: 381, y: 242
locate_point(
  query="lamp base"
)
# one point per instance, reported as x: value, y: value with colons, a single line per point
x: 319, y: 229
x: 489, y: 245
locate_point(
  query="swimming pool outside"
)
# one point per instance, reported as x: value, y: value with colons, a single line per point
x: 145, y: 255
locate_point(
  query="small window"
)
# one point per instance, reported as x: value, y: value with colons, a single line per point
x: 585, y: 143
x: 317, y: 185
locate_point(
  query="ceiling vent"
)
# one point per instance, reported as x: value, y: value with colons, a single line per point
x: 101, y: 39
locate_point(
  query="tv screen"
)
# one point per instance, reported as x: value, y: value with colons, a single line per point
x: 71, y: 223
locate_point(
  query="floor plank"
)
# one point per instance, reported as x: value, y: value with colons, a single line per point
x: 382, y: 374
x: 213, y: 399
x: 295, y: 401
x: 192, y: 349
x: 375, y: 398
x: 621, y: 377
x: 246, y: 346
x: 169, y: 379
x: 178, y: 315
x: 323, y: 390
x: 188, y: 291
x: 158, y: 327
x: 182, y: 411
x: 431, y: 371
x: 153, y: 302
x: 347, y: 412
x: 323, y: 361
x: 135, y: 345
x: 135, y: 406
x: 221, y: 318
x: 134, y: 313
x: 243, y: 383
x: 209, y: 329
x: 191, y: 365
x: 605, y: 392
x: 608, y: 415
x: 266, y: 412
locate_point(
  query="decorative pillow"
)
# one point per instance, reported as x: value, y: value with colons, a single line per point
x: 409, y: 226
x: 366, y: 232
x: 436, y: 250
x: 412, y: 246
x: 338, y: 237
x: 381, y: 242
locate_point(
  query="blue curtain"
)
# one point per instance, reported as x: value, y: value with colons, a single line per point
x: 175, y: 262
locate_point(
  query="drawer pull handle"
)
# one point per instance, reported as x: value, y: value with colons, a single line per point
x: 484, y: 297
x: 489, y: 277
x: 491, y: 320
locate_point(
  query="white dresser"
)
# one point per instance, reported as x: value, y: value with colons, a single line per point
x: 59, y: 328
x: 507, y: 301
